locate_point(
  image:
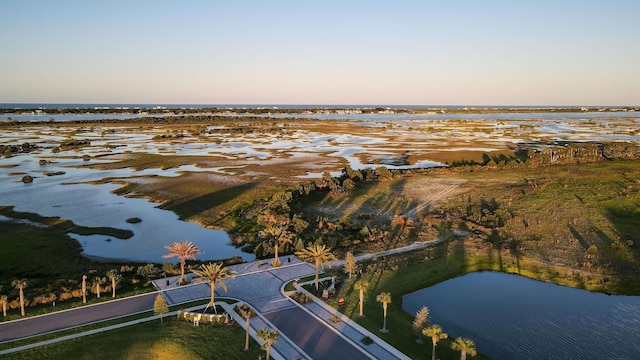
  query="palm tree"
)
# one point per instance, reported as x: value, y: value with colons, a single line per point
x: 436, y: 334
x: 318, y: 254
x: 115, y: 278
x: 280, y: 236
x: 3, y: 300
x: 20, y: 285
x: 465, y: 346
x: 214, y: 274
x: 96, y: 282
x: 420, y: 321
x: 269, y: 337
x: 361, y: 285
x: 385, y: 299
x: 183, y: 250
x: 246, y: 312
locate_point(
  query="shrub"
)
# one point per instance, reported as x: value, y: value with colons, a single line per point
x: 301, y: 297
x: 66, y: 295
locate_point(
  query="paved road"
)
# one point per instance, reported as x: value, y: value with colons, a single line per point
x: 314, y: 337
x: 74, y: 317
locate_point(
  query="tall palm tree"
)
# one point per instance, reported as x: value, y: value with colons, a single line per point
x: 269, y: 337
x: 4, y: 299
x: 385, y: 299
x: 96, y: 282
x: 20, y: 285
x: 280, y: 235
x: 183, y: 250
x: 318, y: 254
x: 246, y: 312
x: 436, y: 334
x: 361, y: 285
x: 214, y: 274
x: 115, y: 278
x: 465, y: 346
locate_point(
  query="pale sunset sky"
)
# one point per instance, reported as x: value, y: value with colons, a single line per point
x: 454, y: 52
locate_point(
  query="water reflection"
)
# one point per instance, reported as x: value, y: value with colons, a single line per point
x: 513, y: 317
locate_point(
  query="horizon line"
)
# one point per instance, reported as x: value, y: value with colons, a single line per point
x: 309, y: 105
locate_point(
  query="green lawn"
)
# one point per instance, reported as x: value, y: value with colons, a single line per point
x: 152, y: 340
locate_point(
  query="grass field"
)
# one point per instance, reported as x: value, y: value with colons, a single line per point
x: 152, y: 340
x: 573, y: 224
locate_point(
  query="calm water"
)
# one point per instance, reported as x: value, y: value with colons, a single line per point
x: 513, y: 317
x: 68, y: 197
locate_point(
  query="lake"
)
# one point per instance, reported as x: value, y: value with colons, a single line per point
x: 514, y: 317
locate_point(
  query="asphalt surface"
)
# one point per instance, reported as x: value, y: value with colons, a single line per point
x: 75, y: 317
x: 311, y: 335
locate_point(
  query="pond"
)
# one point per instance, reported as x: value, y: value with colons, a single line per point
x: 514, y: 317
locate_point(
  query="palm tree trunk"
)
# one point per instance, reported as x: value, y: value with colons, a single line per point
x: 268, y: 351
x: 463, y: 355
x: 317, y: 274
x: 213, y: 294
x: 84, y: 289
x: 4, y: 308
x: 21, y: 302
x: 275, y: 250
x: 181, y: 271
x: 433, y: 351
x: 98, y: 290
x: 384, y: 323
x: 361, y: 302
x: 246, y: 339
x: 113, y: 286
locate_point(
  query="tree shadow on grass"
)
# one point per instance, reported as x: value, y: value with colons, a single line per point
x: 626, y: 221
x: 187, y: 208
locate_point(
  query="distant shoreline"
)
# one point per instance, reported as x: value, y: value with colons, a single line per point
x: 36, y: 112
x: 100, y: 107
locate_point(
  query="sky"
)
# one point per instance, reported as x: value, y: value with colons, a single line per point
x: 454, y: 52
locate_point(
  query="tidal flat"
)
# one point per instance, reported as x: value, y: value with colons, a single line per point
x: 200, y: 167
